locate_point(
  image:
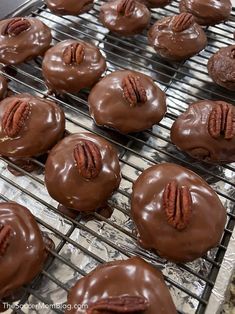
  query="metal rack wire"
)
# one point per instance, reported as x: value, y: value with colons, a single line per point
x: 183, y: 83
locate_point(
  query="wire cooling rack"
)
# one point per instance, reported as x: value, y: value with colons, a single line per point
x: 82, y: 244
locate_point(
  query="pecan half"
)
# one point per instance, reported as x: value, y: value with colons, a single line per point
x: 182, y: 22
x: 5, y: 235
x: 177, y: 203
x: 221, y: 121
x: 16, y: 26
x: 14, y: 117
x: 126, y: 7
x: 74, y: 54
x: 133, y: 90
x: 122, y: 304
x: 88, y: 159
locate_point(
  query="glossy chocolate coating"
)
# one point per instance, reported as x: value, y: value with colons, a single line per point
x: 131, y: 277
x: 204, y: 228
x: 207, y: 12
x: 69, y: 7
x: 68, y: 187
x: 190, y: 134
x: 26, y: 254
x: 3, y: 87
x: 72, y: 78
x: 43, y: 128
x: 121, y: 24
x: 25, y: 46
x: 109, y: 107
x: 221, y: 67
x: 155, y: 3
x: 173, y: 45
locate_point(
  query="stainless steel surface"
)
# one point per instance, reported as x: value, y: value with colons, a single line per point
x: 80, y: 244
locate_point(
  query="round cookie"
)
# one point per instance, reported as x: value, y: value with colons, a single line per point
x: 29, y: 126
x: 22, y: 39
x: 72, y: 65
x: 125, y: 17
x: 221, y: 67
x: 127, y: 101
x: 206, y: 131
x: 82, y: 171
x: 207, y: 12
x: 155, y: 3
x: 69, y: 7
x: 131, y: 283
x: 3, y: 87
x: 21, y: 245
x: 176, y: 213
x: 177, y: 37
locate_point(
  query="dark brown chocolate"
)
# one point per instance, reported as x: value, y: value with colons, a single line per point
x: 29, y: 126
x: 176, y: 213
x: 155, y: 3
x: 206, y: 131
x: 3, y: 87
x: 72, y: 65
x: 129, y: 284
x: 23, y: 39
x: 221, y: 67
x: 127, y: 101
x: 207, y: 12
x: 21, y: 245
x: 125, y: 17
x: 177, y: 37
x: 82, y: 172
x: 69, y: 7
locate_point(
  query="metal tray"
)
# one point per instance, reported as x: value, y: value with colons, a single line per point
x: 81, y: 245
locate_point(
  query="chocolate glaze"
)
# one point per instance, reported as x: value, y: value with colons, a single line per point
x: 3, y: 87
x: 109, y: 107
x: 68, y: 187
x: 121, y: 24
x: 26, y: 247
x: 72, y: 78
x: 43, y: 128
x: 221, y: 67
x: 204, y: 228
x: 25, y: 46
x: 155, y: 3
x: 190, y: 134
x: 176, y: 45
x: 69, y: 7
x: 207, y: 12
x: 131, y: 277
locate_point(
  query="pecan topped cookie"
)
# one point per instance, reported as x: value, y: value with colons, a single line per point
x: 206, y: 131
x: 176, y: 213
x: 127, y: 101
x: 22, y: 39
x: 86, y: 170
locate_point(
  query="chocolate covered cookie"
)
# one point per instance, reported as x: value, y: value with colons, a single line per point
x: 3, y: 87
x: 207, y: 12
x: 23, y: 250
x: 125, y: 17
x: 69, y: 7
x: 127, y: 101
x: 155, y: 3
x: 221, y: 67
x: 126, y: 286
x: 82, y: 171
x: 23, y: 39
x: 72, y: 65
x: 177, y: 37
x: 176, y: 213
x: 29, y: 127
x: 206, y: 131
